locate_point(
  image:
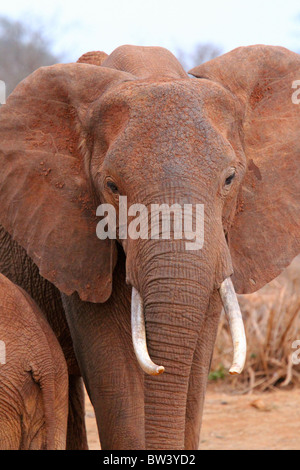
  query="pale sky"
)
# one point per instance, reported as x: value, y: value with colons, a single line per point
x: 79, y: 26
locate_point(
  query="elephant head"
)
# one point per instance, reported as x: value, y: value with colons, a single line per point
x: 134, y: 124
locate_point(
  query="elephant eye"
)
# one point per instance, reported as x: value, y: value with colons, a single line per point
x: 229, y: 179
x: 112, y: 186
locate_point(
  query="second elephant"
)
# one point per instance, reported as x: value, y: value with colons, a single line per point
x: 33, y: 376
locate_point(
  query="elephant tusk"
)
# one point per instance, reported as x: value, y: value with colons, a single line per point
x: 235, y: 319
x: 139, y: 336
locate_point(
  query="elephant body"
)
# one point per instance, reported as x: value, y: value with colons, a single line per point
x: 33, y: 376
x: 75, y: 136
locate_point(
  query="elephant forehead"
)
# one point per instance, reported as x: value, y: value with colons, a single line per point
x: 174, y: 99
x: 171, y: 119
x: 182, y: 108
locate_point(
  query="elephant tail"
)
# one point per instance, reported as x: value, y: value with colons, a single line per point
x: 46, y: 383
x: 50, y: 373
x: 48, y: 369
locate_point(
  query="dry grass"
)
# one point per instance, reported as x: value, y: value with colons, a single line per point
x: 272, y: 324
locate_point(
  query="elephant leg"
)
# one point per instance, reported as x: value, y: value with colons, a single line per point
x: 101, y: 336
x: 76, y: 432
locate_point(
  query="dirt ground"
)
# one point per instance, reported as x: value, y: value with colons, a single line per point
x: 257, y: 421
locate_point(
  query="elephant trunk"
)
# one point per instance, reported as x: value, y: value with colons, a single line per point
x: 170, y: 315
x: 170, y: 300
x: 168, y: 312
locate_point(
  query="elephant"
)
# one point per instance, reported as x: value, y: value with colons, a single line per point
x: 33, y: 376
x: 137, y: 316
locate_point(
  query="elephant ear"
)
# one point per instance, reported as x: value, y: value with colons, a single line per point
x: 47, y: 202
x: 265, y: 233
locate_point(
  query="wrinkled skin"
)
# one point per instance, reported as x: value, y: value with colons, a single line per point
x: 33, y: 376
x: 134, y: 124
